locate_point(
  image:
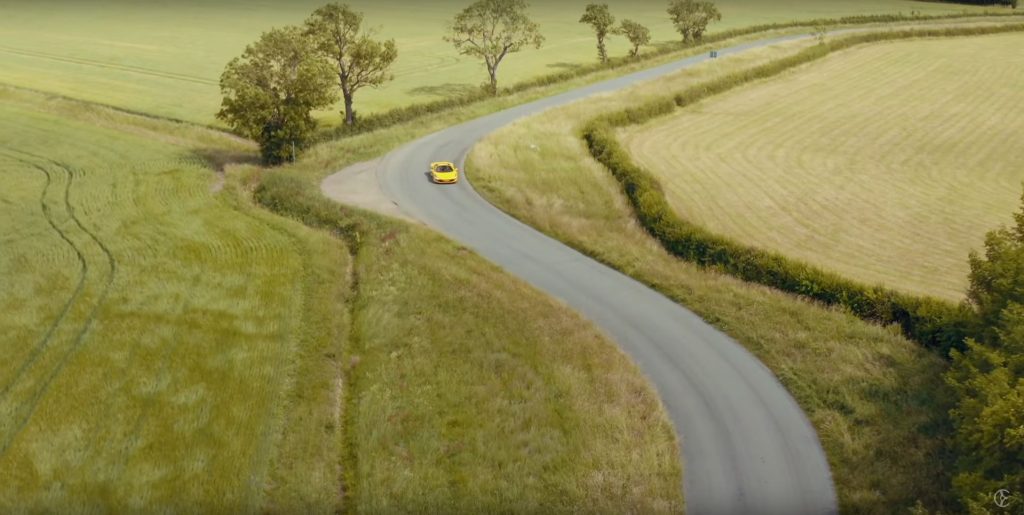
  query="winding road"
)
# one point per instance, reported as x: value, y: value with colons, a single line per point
x: 747, y: 446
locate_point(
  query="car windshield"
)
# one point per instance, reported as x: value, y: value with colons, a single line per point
x: 443, y: 168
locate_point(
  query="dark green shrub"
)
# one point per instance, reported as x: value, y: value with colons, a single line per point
x: 295, y: 197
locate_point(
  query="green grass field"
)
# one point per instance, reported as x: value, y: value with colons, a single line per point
x: 887, y: 164
x: 166, y: 58
x: 144, y: 367
x: 172, y: 348
x: 875, y: 399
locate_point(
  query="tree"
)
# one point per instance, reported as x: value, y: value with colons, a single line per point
x: 600, y: 18
x: 271, y: 90
x: 691, y: 17
x: 819, y: 33
x: 997, y: 279
x: 988, y: 377
x: 492, y: 29
x: 637, y: 34
x: 359, y: 59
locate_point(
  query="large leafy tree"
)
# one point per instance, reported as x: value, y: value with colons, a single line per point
x: 988, y: 377
x: 492, y: 29
x: 359, y: 60
x: 997, y: 278
x: 600, y: 18
x: 272, y: 89
x: 637, y: 34
x: 691, y: 17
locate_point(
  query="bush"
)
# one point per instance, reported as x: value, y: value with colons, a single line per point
x: 294, y: 197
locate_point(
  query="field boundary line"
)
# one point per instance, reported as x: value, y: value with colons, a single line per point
x: 119, y: 109
x: 271, y: 432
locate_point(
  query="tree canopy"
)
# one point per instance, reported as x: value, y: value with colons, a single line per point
x: 600, y: 18
x: 359, y: 60
x: 492, y: 29
x: 272, y: 89
x: 637, y: 34
x: 988, y: 377
x: 691, y: 17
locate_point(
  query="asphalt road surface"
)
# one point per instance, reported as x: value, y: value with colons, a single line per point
x: 747, y: 447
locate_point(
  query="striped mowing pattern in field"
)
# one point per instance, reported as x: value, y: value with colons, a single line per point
x: 887, y: 164
x: 144, y: 367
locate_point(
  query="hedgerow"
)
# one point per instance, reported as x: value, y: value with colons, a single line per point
x: 932, y: 322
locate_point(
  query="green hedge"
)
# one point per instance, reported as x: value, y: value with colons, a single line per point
x: 295, y: 197
x: 414, y: 111
x: 932, y: 322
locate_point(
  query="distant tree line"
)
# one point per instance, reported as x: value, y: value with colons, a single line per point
x: 1010, y: 3
x: 271, y: 91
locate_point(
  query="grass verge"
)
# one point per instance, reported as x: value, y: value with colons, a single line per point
x: 471, y: 391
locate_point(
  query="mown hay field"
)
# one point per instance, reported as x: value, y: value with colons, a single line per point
x: 887, y: 164
x: 166, y: 58
x: 154, y: 334
x: 876, y: 399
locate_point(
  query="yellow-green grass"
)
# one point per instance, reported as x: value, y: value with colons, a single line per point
x: 165, y: 348
x: 463, y: 388
x: 475, y: 393
x: 166, y: 58
x: 470, y: 391
x: 875, y: 398
x: 886, y: 163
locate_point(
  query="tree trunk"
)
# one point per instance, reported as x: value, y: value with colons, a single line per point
x: 350, y: 115
x: 348, y: 94
x: 493, y: 73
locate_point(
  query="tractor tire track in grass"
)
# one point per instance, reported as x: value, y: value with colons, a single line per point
x: 83, y: 270
x: 25, y: 411
x: 110, y: 66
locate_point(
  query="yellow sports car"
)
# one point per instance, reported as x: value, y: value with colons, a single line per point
x: 444, y: 172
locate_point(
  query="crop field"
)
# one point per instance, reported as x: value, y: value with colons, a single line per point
x: 878, y: 397
x: 171, y: 348
x: 143, y: 366
x: 166, y: 58
x: 887, y: 164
